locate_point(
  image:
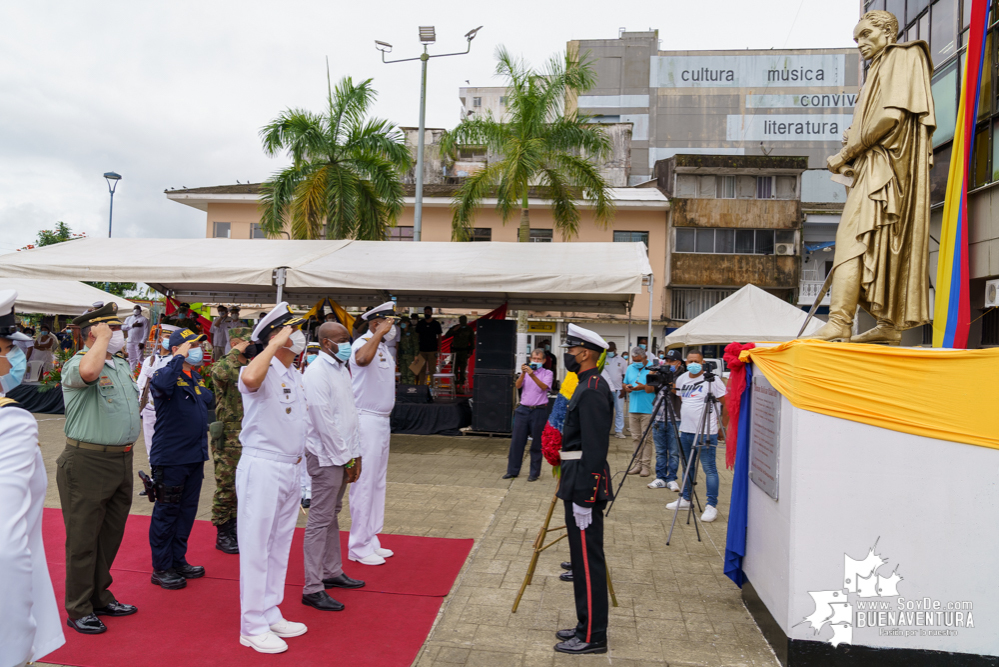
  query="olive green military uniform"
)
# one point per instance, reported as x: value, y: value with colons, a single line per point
x: 409, y: 348
x: 462, y: 344
x: 94, y: 472
x: 225, y: 446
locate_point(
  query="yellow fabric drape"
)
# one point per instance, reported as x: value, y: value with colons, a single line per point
x: 346, y: 318
x: 944, y: 394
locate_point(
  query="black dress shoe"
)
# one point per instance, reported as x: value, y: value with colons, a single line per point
x: 532, y: 478
x: 566, y: 635
x: 226, y: 540
x: 342, y: 581
x: 322, y: 601
x: 508, y: 476
x: 566, y: 565
x: 168, y: 579
x: 565, y: 576
x: 117, y: 609
x: 190, y: 571
x: 88, y: 625
x: 578, y: 647
x: 306, y: 503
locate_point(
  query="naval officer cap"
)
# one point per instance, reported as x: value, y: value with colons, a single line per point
x: 580, y: 337
x: 107, y: 314
x: 279, y: 316
x: 387, y: 309
x: 8, y: 323
x: 169, y: 328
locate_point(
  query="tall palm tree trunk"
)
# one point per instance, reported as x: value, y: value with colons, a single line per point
x: 524, y: 235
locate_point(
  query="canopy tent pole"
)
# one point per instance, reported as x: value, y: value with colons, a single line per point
x: 649, y: 339
x: 279, y: 280
x: 629, y: 330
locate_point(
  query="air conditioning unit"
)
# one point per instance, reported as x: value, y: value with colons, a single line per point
x: 785, y: 249
x: 991, y: 293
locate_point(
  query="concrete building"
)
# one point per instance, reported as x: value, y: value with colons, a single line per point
x: 483, y: 100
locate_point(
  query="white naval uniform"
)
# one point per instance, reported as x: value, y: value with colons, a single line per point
x: 30, y: 627
x: 152, y: 364
x: 374, y: 395
x: 275, y: 417
x: 138, y: 332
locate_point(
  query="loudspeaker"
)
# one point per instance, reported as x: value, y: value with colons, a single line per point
x: 492, y: 402
x: 413, y: 393
x: 495, y: 345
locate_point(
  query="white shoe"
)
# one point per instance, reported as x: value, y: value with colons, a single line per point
x: 265, y: 643
x: 620, y: 436
x: 673, y: 486
x: 286, y: 628
x: 384, y: 553
x: 370, y: 559
x: 710, y: 514
x: 679, y: 503
x: 657, y: 484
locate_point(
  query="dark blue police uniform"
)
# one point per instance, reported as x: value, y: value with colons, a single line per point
x: 180, y: 449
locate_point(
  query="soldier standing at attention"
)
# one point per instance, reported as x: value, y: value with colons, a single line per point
x: 94, y: 472
x: 225, y: 438
x: 462, y: 344
x: 585, y: 490
x: 409, y: 349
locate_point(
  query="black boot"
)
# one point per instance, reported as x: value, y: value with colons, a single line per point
x: 168, y: 579
x: 226, y: 540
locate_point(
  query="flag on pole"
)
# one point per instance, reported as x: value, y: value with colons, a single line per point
x: 952, y: 307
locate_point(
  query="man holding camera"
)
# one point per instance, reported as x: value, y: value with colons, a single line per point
x: 584, y: 488
x: 664, y: 429
x: 530, y: 416
x: 693, y: 387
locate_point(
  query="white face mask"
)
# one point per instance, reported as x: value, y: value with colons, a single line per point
x: 298, y: 342
x: 117, y: 342
x: 390, y: 336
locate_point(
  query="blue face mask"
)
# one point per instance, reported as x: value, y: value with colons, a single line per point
x: 18, y: 364
x: 638, y: 364
x: 642, y: 345
x: 611, y: 355
x: 694, y: 368
x: 343, y: 351
x: 166, y: 344
x: 195, y: 356
x: 535, y: 365
x: 309, y: 359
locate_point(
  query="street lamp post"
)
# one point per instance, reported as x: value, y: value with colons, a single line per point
x: 427, y: 36
x: 112, y: 179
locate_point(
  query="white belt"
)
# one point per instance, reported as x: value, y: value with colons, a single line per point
x: 570, y: 456
x: 271, y: 456
x: 372, y: 412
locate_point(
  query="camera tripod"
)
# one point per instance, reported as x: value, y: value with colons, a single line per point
x: 690, y: 471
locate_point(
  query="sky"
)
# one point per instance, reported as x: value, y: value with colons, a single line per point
x: 173, y: 95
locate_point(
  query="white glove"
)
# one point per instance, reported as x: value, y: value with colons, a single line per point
x: 583, y: 515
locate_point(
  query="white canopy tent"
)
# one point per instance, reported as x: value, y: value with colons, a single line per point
x: 749, y: 315
x: 58, y: 297
x: 590, y: 277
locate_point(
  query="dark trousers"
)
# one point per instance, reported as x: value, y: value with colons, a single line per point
x: 460, y: 363
x: 526, y: 420
x: 173, y: 514
x: 95, y: 492
x: 589, y: 575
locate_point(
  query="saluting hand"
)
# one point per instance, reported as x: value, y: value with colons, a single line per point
x: 279, y: 339
x: 183, y: 349
x: 102, y: 331
x: 384, y: 326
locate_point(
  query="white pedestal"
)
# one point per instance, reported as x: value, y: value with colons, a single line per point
x: 931, y: 507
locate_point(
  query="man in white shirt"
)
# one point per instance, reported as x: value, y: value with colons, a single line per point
x: 613, y: 373
x: 333, y: 459
x: 692, y: 387
x: 137, y: 328
x: 373, y: 379
x: 160, y: 357
x: 267, y: 477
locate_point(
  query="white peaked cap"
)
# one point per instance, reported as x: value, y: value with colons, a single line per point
x: 8, y: 323
x: 384, y: 310
x: 279, y: 316
x: 169, y: 327
x: 580, y: 337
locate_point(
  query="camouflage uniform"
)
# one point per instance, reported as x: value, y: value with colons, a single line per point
x: 462, y: 344
x: 227, y: 448
x: 409, y: 348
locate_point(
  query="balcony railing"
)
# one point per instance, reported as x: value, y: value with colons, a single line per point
x: 808, y: 290
x: 689, y: 303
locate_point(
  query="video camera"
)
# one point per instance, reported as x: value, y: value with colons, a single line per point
x: 709, y: 370
x: 660, y: 377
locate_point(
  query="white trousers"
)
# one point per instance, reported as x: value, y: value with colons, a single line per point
x: 148, y: 426
x: 268, y: 493
x: 134, y: 355
x: 367, y: 494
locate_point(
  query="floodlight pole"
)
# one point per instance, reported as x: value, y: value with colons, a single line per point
x: 423, y: 58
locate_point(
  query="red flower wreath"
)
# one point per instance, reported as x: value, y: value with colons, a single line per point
x: 551, y: 446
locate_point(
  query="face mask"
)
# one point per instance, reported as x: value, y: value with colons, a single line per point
x: 638, y: 364
x: 343, y: 351
x: 611, y: 355
x: 694, y: 368
x: 18, y: 364
x: 402, y: 326
x: 642, y: 345
x: 298, y: 342
x: 195, y: 356
x: 390, y: 336
x: 309, y: 359
x: 117, y: 342
x: 165, y: 343
x: 570, y: 362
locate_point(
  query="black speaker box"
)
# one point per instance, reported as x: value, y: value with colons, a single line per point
x: 413, y: 393
x: 492, y: 402
x: 495, y: 345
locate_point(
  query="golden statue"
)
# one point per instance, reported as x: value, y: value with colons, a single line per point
x: 882, y: 243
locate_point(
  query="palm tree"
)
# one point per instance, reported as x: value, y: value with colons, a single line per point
x: 540, y: 145
x: 344, y: 179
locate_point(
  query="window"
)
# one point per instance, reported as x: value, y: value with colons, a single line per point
x: 730, y: 241
x: 541, y: 236
x: 705, y: 240
x: 725, y: 241
x: 726, y: 187
x: 980, y: 161
x: 482, y: 234
x: 897, y: 7
x: 632, y: 237
x: 476, y: 101
x: 985, y: 91
x: 744, y: 241
x: 945, y: 92
x: 990, y: 328
x: 256, y: 232
x: 943, y: 30
x: 784, y: 236
x: 913, y: 8
x: 764, y: 187
x: 399, y: 234
x: 222, y: 230
x: 503, y: 100
x: 684, y: 239
x: 764, y: 242
x: 938, y: 174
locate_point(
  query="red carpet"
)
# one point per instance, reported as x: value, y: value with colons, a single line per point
x: 385, y: 623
